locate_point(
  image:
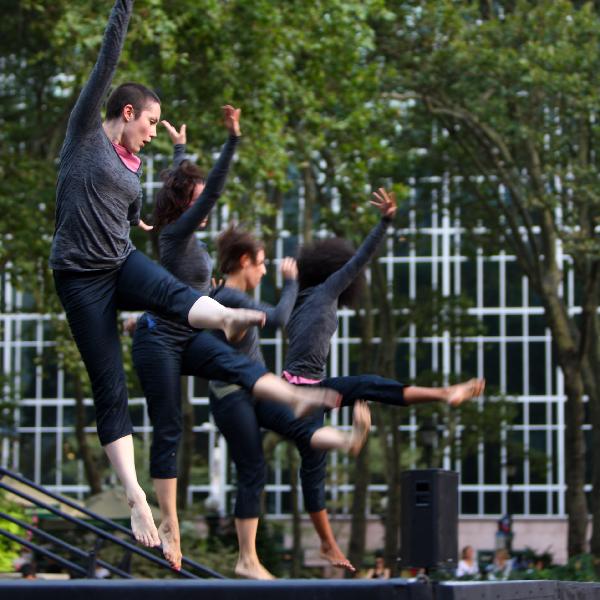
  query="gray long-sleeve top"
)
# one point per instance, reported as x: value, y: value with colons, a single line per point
x: 314, y: 318
x: 97, y: 197
x: 180, y: 252
x: 277, y: 315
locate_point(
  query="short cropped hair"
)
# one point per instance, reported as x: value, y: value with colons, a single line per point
x: 136, y: 94
x: 234, y: 243
x: 320, y: 259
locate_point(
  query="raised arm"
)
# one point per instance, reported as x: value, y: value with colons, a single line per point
x: 337, y: 282
x: 86, y: 112
x: 179, y: 139
x: 189, y: 221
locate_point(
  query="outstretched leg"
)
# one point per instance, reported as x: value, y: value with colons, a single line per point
x: 211, y: 358
x: 388, y: 391
x: 454, y: 395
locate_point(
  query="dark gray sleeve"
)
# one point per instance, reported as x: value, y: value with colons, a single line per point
x: 337, y: 282
x: 188, y: 222
x: 178, y: 154
x: 277, y: 315
x: 86, y: 112
x: 134, y: 211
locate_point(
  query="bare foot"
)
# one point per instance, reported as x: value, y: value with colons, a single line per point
x: 168, y: 532
x: 457, y: 394
x: 361, y: 425
x: 314, y: 397
x: 336, y: 557
x: 238, y: 321
x: 142, y: 522
x: 252, y: 570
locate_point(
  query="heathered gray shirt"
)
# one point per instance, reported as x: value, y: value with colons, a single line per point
x: 276, y: 315
x: 97, y: 196
x: 180, y: 252
x: 314, y: 318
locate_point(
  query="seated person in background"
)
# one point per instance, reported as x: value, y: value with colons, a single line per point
x: 379, y: 571
x: 467, y: 565
x: 500, y: 569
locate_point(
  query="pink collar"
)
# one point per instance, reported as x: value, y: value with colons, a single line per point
x: 298, y: 379
x: 130, y: 160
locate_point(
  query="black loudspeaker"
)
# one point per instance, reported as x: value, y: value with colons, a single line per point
x: 429, y: 518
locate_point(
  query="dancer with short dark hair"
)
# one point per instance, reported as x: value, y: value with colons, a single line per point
x: 163, y: 350
x: 96, y: 268
x: 239, y: 418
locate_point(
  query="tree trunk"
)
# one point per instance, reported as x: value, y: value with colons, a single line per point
x: 388, y: 420
x: 296, y: 565
x: 90, y: 464
x: 571, y: 366
x: 362, y: 475
x: 310, y: 200
x: 187, y: 446
x: 358, y: 526
x: 592, y: 388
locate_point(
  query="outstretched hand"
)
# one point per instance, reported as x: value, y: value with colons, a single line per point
x: 231, y: 117
x: 177, y: 137
x: 289, y: 268
x: 386, y: 203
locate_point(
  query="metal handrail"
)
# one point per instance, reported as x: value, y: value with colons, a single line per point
x: 117, y: 526
x: 73, y: 549
x: 59, y: 559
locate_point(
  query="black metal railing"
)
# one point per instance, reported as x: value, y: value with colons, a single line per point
x: 99, y: 532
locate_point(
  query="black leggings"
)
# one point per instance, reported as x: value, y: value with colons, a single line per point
x: 160, y: 359
x: 91, y: 300
x: 239, y: 418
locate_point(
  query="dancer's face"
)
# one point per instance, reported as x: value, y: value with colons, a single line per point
x: 254, y: 270
x: 140, y: 129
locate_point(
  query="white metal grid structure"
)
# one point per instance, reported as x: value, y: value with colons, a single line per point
x: 514, y: 354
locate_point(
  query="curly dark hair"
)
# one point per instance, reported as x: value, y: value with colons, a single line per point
x: 234, y: 243
x: 320, y: 259
x: 174, y: 197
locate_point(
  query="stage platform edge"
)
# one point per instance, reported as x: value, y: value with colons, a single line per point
x: 294, y: 589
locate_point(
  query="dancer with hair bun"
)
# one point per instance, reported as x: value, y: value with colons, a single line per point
x: 242, y: 261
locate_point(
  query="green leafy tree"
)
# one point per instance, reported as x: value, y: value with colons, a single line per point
x: 511, y: 93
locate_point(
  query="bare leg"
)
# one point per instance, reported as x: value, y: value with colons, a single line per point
x: 248, y: 564
x: 329, y: 546
x: 207, y: 313
x: 302, y: 399
x: 120, y: 454
x: 168, y: 530
x: 453, y: 394
x: 328, y: 438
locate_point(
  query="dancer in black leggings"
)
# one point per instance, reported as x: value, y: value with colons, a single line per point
x: 96, y: 268
x: 163, y: 350
x: 239, y: 417
x: 329, y: 277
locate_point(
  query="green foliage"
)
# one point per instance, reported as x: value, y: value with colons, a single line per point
x: 9, y: 550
